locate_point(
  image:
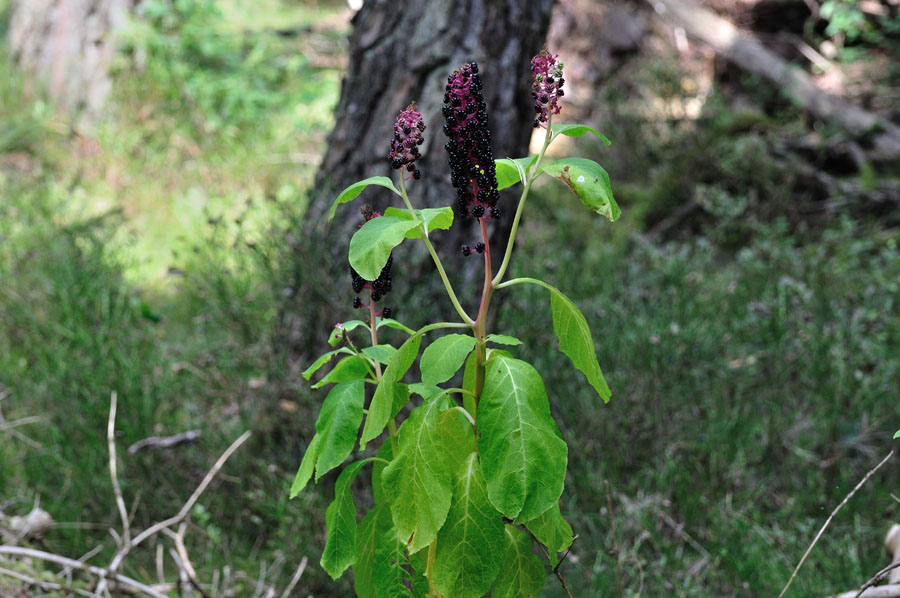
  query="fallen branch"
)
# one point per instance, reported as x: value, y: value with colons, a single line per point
x: 164, y: 442
x: 830, y: 517
x: 72, y: 563
x: 749, y: 54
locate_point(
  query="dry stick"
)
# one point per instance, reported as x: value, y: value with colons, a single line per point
x: 891, y: 591
x: 185, y: 560
x: 44, y: 585
x: 877, y: 578
x: 111, y: 442
x: 300, y: 569
x: 186, y: 509
x: 183, y: 576
x: 612, y: 528
x: 830, y: 517
x: 67, y: 562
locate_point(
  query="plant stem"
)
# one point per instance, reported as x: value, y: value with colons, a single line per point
x: 429, y: 566
x: 434, y: 256
x: 481, y: 323
x: 535, y: 170
x: 392, y: 427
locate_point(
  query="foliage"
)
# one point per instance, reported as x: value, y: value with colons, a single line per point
x: 472, y: 470
x: 225, y: 78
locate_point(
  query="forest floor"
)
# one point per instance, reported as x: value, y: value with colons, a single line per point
x: 753, y: 350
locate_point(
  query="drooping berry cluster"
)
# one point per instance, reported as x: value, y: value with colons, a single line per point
x: 407, y: 138
x: 472, y: 171
x: 379, y: 287
x: 547, y: 85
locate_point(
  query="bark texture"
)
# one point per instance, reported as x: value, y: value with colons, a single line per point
x: 404, y: 51
x: 68, y: 46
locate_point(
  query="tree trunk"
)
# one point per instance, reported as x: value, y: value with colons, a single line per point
x: 67, y: 45
x: 404, y: 51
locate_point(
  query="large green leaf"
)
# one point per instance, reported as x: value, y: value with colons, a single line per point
x: 521, y: 572
x: 470, y: 545
x: 442, y: 358
x: 553, y: 531
x: 353, y: 191
x: 897, y: 435
x: 418, y: 481
x: 433, y: 218
x: 522, y: 454
x: 377, y: 572
x: 573, y: 130
x: 340, y: 521
x: 338, y: 424
x: 379, y: 353
x: 388, y: 392
x: 575, y: 340
x: 348, y: 368
x: 307, y: 464
x: 511, y: 171
x: 372, y: 244
x: 322, y: 360
x: 589, y: 181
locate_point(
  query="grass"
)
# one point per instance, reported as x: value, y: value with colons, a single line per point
x: 754, y: 371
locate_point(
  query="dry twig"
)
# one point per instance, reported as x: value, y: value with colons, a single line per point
x: 830, y: 517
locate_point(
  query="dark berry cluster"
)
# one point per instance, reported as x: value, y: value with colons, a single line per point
x: 471, y: 157
x: 407, y: 138
x: 546, y: 86
x: 379, y: 287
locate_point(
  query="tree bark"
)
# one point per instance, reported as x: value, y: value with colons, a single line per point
x: 67, y: 45
x: 404, y: 51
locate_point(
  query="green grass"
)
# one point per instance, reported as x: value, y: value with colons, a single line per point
x: 750, y: 393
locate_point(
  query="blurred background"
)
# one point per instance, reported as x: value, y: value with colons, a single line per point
x: 164, y: 168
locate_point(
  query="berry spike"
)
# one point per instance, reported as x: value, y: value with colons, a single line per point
x: 471, y: 157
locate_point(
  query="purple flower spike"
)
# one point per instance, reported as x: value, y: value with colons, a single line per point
x: 547, y: 85
x: 407, y: 139
x: 472, y: 170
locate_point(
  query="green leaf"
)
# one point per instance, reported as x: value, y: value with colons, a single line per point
x: 553, y: 531
x: 391, y: 323
x: 423, y: 390
x: 322, y: 360
x: 575, y: 340
x: 418, y: 480
x: 510, y: 172
x: 521, y: 572
x: 502, y: 339
x: 338, y: 424
x: 385, y: 452
x: 377, y: 572
x: 470, y: 545
x: 340, y: 521
x: 372, y: 244
x: 434, y: 218
x: 353, y: 191
x: 442, y: 358
x: 572, y: 130
x: 387, y: 393
x: 589, y: 181
x: 897, y: 435
x: 523, y: 456
x: 337, y: 335
x: 380, y: 353
x: 349, y: 368
x: 306, y: 466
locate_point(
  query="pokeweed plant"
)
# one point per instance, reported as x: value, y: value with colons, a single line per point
x: 473, y: 475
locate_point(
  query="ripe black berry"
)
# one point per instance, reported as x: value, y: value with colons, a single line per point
x: 386, y: 312
x: 466, y: 251
x: 479, y: 247
x: 356, y: 303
